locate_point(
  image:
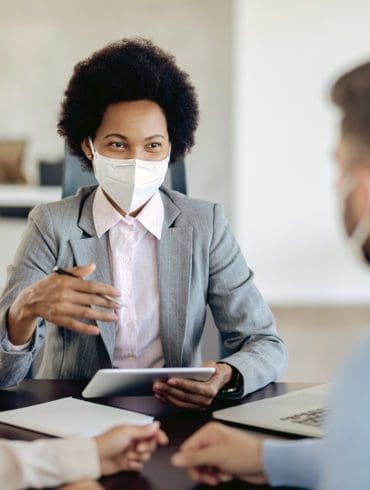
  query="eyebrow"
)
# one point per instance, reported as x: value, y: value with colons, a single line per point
x: 123, y: 137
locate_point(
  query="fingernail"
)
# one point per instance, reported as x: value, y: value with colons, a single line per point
x: 116, y: 292
x: 171, y: 382
x: 176, y: 458
x: 113, y: 316
x: 157, y: 386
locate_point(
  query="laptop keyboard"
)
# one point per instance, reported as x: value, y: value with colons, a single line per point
x: 313, y: 418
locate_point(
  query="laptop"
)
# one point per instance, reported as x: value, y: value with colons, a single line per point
x: 301, y: 412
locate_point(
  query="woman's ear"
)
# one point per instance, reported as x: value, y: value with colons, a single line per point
x: 85, y: 145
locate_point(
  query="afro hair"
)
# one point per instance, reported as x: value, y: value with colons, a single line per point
x: 128, y: 70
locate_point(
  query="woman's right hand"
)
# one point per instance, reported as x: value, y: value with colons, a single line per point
x: 62, y: 300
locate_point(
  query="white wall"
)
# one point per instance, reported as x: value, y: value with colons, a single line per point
x: 286, y: 55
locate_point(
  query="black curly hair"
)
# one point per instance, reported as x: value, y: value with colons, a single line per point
x: 128, y: 70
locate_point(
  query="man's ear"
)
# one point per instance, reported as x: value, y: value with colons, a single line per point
x: 85, y: 145
x: 362, y: 173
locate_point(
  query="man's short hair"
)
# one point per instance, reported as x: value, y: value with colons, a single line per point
x: 351, y: 93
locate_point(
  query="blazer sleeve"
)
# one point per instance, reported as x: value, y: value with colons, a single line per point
x: 245, y: 321
x: 34, y: 259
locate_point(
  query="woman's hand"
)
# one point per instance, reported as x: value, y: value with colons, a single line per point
x: 187, y: 393
x: 128, y: 447
x: 218, y: 453
x: 62, y: 300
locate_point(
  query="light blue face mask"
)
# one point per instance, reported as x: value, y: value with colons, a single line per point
x: 360, y: 234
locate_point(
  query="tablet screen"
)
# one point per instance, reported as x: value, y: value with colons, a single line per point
x: 136, y: 382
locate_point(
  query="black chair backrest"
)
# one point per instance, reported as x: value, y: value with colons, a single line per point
x: 74, y: 177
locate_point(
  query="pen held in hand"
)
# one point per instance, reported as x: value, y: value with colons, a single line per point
x: 63, y: 272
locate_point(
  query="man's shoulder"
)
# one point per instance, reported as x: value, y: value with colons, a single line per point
x: 357, y: 365
x: 352, y: 383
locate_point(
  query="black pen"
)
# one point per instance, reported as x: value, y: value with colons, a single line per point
x: 63, y: 272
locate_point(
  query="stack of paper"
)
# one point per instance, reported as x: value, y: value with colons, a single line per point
x: 68, y: 417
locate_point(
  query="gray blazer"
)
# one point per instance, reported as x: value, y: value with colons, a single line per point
x: 199, y: 262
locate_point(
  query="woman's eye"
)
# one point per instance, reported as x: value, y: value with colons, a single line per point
x: 118, y: 145
x: 154, y: 146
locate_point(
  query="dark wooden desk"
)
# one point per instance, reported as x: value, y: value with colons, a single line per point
x: 158, y: 473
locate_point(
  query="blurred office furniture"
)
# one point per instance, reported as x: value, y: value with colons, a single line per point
x: 73, y: 177
x: 16, y: 200
x: 178, y: 176
x: 11, y: 160
x: 50, y: 173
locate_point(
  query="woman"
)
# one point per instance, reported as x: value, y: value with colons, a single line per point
x: 127, y: 113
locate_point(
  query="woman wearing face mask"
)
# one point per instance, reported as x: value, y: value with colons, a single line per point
x: 127, y: 113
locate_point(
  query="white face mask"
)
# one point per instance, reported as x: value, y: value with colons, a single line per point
x: 357, y: 239
x: 130, y: 183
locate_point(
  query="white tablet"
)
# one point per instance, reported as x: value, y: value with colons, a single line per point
x: 128, y: 382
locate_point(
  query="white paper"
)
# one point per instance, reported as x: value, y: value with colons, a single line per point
x: 68, y: 417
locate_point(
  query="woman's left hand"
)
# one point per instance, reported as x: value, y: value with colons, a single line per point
x: 187, y: 393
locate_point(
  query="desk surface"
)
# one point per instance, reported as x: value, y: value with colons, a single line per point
x: 158, y: 473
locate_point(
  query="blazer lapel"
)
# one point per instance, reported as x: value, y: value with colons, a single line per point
x: 174, y: 266
x: 91, y: 248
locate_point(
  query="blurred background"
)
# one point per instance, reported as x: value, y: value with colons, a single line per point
x: 264, y: 147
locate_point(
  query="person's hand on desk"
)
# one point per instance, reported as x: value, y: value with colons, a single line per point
x: 190, y: 394
x: 217, y: 453
x: 127, y: 448
x: 123, y: 448
x: 62, y: 300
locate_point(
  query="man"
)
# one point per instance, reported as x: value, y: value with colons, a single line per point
x: 218, y: 453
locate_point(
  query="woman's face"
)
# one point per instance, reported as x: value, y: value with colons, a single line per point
x: 130, y: 130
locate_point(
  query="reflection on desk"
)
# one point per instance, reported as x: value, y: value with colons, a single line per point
x: 158, y: 474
